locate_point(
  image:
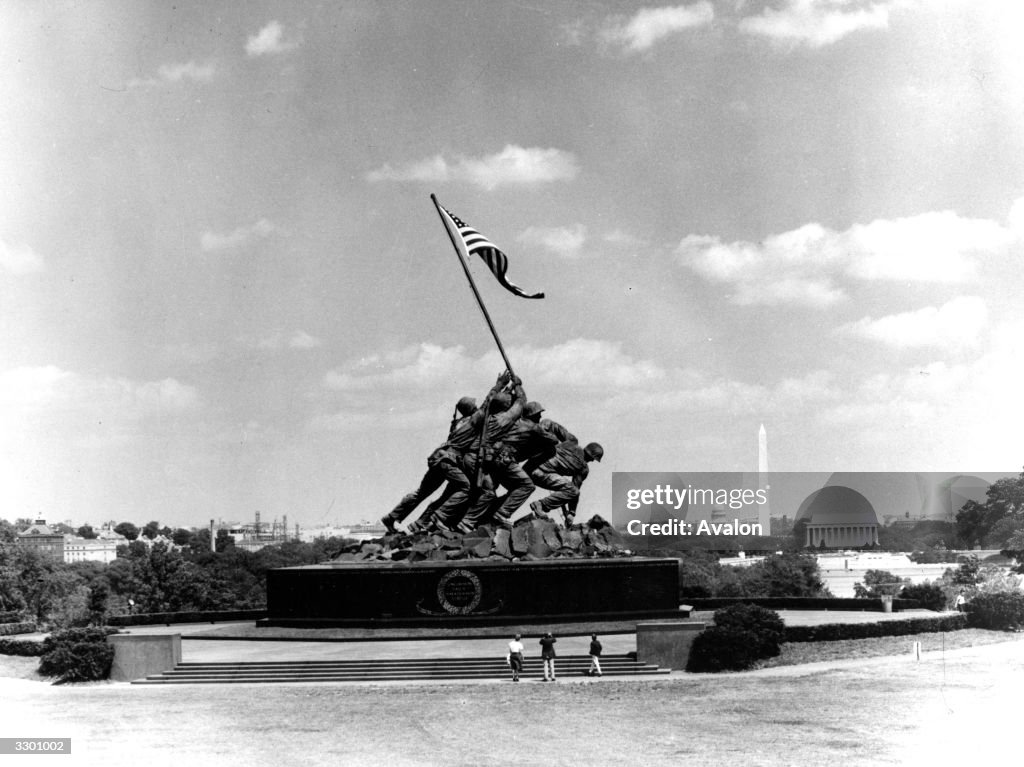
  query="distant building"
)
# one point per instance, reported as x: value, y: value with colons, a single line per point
x: 366, y: 531
x: 42, y: 539
x: 100, y: 549
x: 838, y: 517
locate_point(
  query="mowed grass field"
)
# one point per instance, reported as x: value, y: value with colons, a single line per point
x: 952, y: 707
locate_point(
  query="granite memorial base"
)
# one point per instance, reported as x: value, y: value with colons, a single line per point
x: 666, y: 643
x: 467, y: 592
x: 138, y: 656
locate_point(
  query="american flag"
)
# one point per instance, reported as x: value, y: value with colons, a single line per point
x: 496, y: 261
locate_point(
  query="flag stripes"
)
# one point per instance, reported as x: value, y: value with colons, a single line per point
x: 496, y: 261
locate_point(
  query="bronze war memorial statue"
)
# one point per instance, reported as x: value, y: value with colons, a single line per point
x: 473, y: 555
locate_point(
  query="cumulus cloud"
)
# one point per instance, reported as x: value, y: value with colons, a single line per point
x: 179, y: 72
x: 244, y: 235
x: 299, y: 339
x: 803, y: 266
x: 651, y: 25
x: 789, y: 268
x: 270, y: 40
x: 561, y: 240
x: 51, y: 388
x: 933, y: 247
x: 954, y: 324
x: 422, y: 364
x: 512, y: 166
x: 816, y: 23
x: 19, y: 259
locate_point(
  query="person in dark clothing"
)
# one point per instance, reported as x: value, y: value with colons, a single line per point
x: 547, y: 655
x: 595, y: 656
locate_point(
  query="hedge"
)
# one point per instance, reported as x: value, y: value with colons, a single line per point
x: 22, y: 647
x: 27, y: 627
x: 804, y: 603
x: 206, y: 616
x: 999, y: 611
x: 832, y: 632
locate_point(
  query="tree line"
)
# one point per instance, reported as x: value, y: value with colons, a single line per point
x: 146, y: 578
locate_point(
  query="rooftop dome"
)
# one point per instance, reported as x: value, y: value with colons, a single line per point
x: 837, y: 505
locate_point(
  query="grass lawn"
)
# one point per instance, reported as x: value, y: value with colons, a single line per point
x: 794, y: 653
x: 886, y: 711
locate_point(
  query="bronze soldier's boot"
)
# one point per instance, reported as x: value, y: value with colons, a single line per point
x: 538, y: 512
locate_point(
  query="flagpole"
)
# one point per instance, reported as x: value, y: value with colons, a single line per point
x: 472, y: 284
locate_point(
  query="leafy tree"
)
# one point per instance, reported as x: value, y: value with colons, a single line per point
x: 128, y: 530
x: 791, y: 574
x: 1015, y: 550
x: 967, y: 574
x: 224, y: 541
x: 151, y: 530
x: 698, y: 573
x: 86, y: 531
x: 800, y: 532
x: 878, y: 583
x: 1002, y: 531
x: 930, y: 595
x: 200, y: 542
x: 181, y: 536
x: 8, y: 532
x: 976, y: 522
x: 99, y: 594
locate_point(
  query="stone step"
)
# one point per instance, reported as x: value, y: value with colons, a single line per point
x: 386, y: 670
x: 610, y: 660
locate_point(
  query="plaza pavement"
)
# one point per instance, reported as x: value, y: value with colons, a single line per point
x: 195, y: 649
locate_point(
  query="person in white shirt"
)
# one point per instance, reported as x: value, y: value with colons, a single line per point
x: 515, y: 657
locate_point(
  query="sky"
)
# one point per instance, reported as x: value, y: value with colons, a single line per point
x: 224, y: 287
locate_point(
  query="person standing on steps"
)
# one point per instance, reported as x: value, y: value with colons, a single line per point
x: 547, y: 656
x: 595, y: 656
x: 515, y: 657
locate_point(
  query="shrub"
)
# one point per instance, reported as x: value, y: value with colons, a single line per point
x: 79, y: 662
x: 742, y: 635
x: 6, y: 629
x: 21, y: 647
x: 934, y: 556
x: 723, y: 649
x: 929, y: 595
x: 764, y: 624
x: 996, y: 610
x: 77, y: 655
x: 76, y: 635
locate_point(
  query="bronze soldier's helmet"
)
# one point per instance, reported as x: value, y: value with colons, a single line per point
x: 593, y: 452
x: 466, y: 406
x: 532, y: 409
